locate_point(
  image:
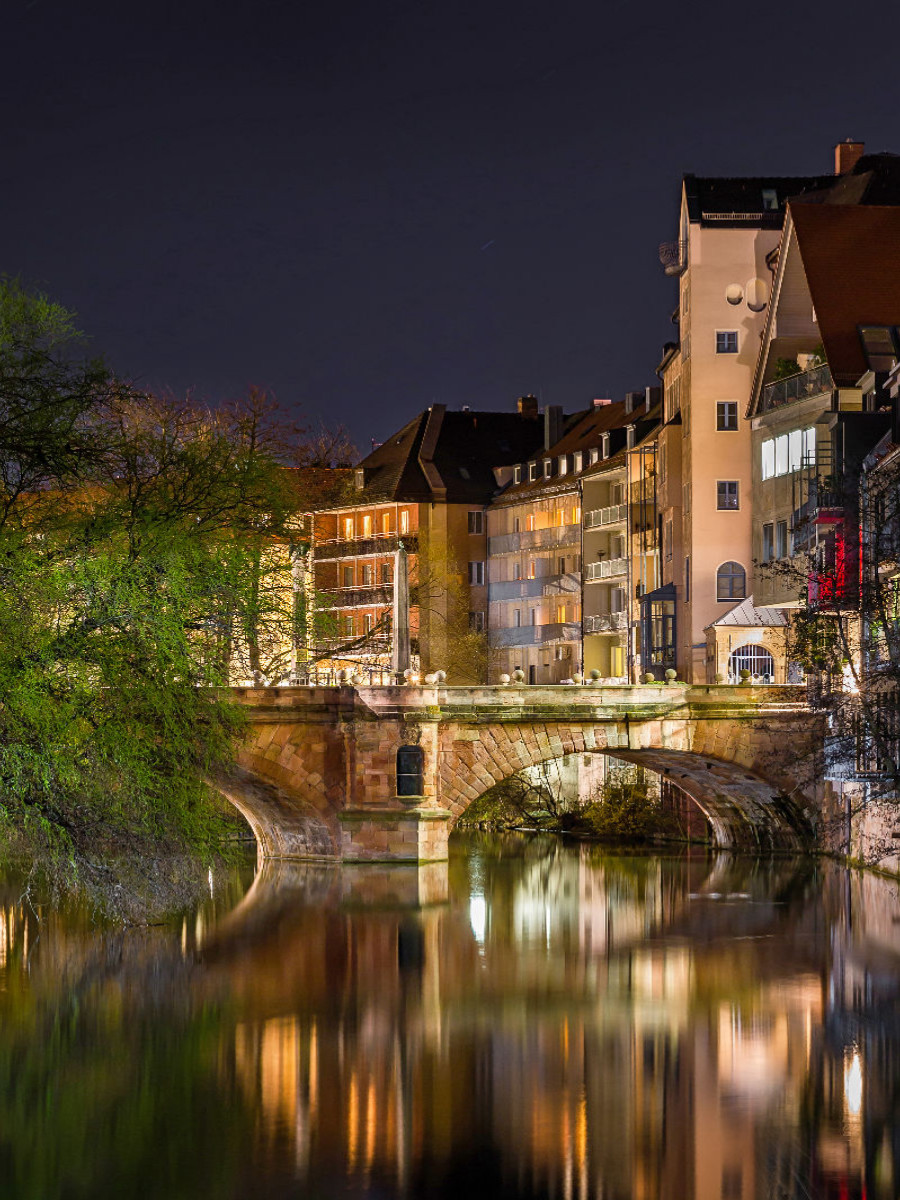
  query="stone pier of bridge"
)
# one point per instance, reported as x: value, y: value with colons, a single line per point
x: 382, y: 774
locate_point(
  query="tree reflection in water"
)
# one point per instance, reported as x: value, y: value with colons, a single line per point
x: 533, y: 1019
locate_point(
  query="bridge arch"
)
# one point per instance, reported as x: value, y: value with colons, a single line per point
x: 746, y: 807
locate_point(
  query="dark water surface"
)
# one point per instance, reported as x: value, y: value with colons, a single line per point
x: 536, y: 1019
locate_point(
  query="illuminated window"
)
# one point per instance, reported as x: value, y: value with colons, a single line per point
x: 781, y: 454
x: 367, y: 526
x: 348, y: 527
x: 768, y: 458
x: 404, y: 520
x: 531, y: 568
x: 529, y: 523
x: 386, y: 522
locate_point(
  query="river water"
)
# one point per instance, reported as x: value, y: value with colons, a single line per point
x: 534, y: 1019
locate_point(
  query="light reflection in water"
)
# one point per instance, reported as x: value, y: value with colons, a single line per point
x: 535, y: 1020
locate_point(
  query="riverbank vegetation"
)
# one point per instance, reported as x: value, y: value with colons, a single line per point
x: 137, y: 543
x: 625, y: 809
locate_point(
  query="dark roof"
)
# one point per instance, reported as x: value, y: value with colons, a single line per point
x: 739, y: 202
x: 875, y: 179
x: 851, y: 257
x: 448, y: 456
x: 583, y: 430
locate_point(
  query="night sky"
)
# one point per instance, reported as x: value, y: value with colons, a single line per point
x: 371, y: 207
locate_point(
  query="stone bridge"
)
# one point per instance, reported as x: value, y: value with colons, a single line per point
x: 317, y: 776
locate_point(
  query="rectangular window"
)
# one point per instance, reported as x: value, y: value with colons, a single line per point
x: 476, y: 573
x: 561, y: 565
x: 348, y: 528
x: 726, y: 341
x: 532, y: 471
x: 367, y: 526
x: 669, y: 540
x: 577, y: 461
x: 476, y: 522
x: 476, y: 622
x: 781, y: 454
x: 563, y: 465
x: 517, y: 474
x: 768, y: 542
x: 517, y: 570
x: 531, y: 569
x: 534, y: 616
x: 368, y: 622
x: 517, y: 525
x: 347, y: 577
x: 517, y: 618
x: 548, y: 467
x: 368, y: 574
x: 594, y: 456
x: 386, y: 522
x: 770, y: 200
x: 404, y: 520
x: 726, y: 416
x: 687, y: 579
x: 781, y: 539
x: 387, y: 573
x: 795, y: 449
x: 348, y: 627
x: 768, y: 458
x: 727, y: 496
x: 529, y: 524
x: 686, y: 494
x: 809, y: 447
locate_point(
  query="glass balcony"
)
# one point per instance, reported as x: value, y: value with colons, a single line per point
x: 534, y: 635
x: 609, y: 568
x: 615, y: 514
x: 526, y: 589
x: 815, y: 382
x: 612, y: 622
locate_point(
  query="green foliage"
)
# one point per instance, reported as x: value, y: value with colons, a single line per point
x: 628, y: 810
x: 143, y: 551
x: 785, y: 367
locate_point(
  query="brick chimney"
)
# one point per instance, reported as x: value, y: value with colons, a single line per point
x: 528, y: 407
x: 846, y: 155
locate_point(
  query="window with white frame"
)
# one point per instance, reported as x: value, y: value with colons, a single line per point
x: 577, y: 461
x: 727, y: 494
x: 563, y: 464
x: 726, y: 416
x: 532, y: 471
x: 768, y: 458
x: 782, y: 458
x: 517, y: 474
x: 476, y: 521
x: 548, y: 467
x: 788, y: 452
x: 726, y: 341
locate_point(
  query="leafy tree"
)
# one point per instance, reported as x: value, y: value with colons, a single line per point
x: 139, y: 547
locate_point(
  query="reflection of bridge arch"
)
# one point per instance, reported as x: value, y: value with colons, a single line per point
x: 318, y: 773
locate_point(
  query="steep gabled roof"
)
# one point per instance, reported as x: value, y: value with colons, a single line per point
x: 448, y: 456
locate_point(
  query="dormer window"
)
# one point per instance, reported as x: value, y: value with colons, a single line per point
x: 548, y: 467
x: 517, y: 474
x: 577, y: 461
x: 594, y: 455
x: 629, y: 437
x: 563, y: 465
x: 359, y: 478
x: 770, y: 200
x: 532, y: 471
x: 605, y: 445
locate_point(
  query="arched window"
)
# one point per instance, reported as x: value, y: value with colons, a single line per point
x: 731, y: 582
x: 755, y: 659
x: 410, y: 771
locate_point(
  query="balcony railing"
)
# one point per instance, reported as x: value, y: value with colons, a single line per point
x: 606, y: 623
x: 535, y: 635
x: 525, y: 589
x: 535, y: 539
x: 814, y: 382
x: 612, y: 515
x: 607, y: 568
x: 352, y: 597
x: 381, y: 543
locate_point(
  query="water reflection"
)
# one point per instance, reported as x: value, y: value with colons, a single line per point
x: 530, y: 1020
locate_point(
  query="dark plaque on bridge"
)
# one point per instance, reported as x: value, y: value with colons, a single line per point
x: 410, y: 771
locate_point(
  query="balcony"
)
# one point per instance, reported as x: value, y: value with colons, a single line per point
x: 815, y: 382
x: 535, y: 539
x: 355, y: 597
x: 380, y: 543
x: 609, y: 568
x: 673, y: 257
x: 534, y: 635
x: 613, y: 622
x: 615, y: 514
x: 528, y: 589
